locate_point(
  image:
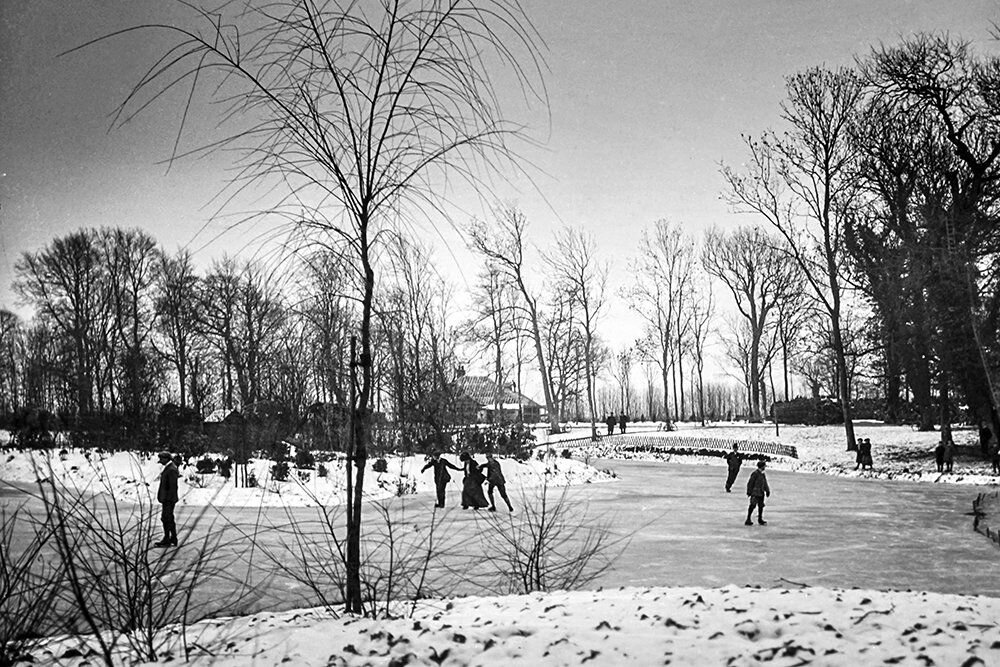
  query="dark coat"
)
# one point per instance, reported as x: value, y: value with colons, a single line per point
x: 734, y: 460
x: 440, y: 466
x: 757, y: 484
x: 949, y: 451
x: 167, y: 493
x: 494, y: 474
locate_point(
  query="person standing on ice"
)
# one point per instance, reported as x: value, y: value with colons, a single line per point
x: 622, y: 422
x: 166, y: 495
x: 734, y: 461
x: 610, y: 421
x: 949, y: 453
x: 495, y: 480
x: 472, y: 483
x: 441, y: 476
x: 757, y: 488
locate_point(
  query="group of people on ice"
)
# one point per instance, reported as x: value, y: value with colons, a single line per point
x: 474, y: 474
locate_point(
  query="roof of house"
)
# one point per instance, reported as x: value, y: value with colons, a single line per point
x: 484, y: 391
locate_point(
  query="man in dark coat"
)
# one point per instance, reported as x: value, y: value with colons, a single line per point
x: 495, y: 480
x: 441, y: 476
x: 622, y: 422
x: 166, y: 495
x: 610, y: 421
x: 734, y: 461
x: 757, y: 488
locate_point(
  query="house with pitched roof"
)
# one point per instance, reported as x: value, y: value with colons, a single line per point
x: 480, y: 400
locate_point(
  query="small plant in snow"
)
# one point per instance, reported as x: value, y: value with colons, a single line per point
x: 321, y: 470
x: 380, y: 465
x: 304, y: 475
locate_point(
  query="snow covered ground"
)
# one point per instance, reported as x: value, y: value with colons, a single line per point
x: 682, y: 625
x: 643, y: 626
x: 130, y: 477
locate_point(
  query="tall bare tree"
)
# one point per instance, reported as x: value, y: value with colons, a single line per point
x: 177, y: 314
x: 702, y: 319
x: 801, y: 184
x: 760, y: 277
x: 503, y: 244
x: 359, y: 114
x: 582, y: 275
x: 660, y: 295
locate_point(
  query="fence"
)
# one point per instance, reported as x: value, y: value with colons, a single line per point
x: 664, y: 443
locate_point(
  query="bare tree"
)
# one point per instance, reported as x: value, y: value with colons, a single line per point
x: 491, y: 327
x: 584, y: 277
x: 801, y: 184
x: 503, y: 244
x: 177, y: 314
x: 64, y: 282
x: 660, y: 295
x: 702, y: 318
x: 359, y: 114
x: 760, y: 278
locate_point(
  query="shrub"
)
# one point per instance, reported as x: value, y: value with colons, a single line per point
x: 304, y: 475
x: 380, y: 465
x: 279, y: 471
x: 225, y: 467
x: 304, y: 459
x: 566, y: 454
x: 513, y: 440
x: 321, y: 470
x: 251, y: 480
x: 205, y: 466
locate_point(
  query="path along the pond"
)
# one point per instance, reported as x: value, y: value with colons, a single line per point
x: 687, y: 531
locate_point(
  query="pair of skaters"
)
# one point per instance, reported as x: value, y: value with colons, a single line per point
x: 472, y: 482
x: 757, y: 487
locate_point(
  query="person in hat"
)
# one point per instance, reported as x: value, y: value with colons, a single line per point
x: 757, y: 488
x: 733, y: 461
x: 166, y: 495
x: 441, y: 476
x: 495, y: 480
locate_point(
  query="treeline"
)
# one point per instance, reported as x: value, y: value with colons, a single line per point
x: 121, y: 326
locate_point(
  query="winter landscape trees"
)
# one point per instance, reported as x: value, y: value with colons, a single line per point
x: 872, y: 276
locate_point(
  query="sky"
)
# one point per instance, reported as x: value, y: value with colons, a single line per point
x: 646, y: 99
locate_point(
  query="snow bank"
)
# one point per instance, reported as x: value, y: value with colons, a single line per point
x: 132, y: 477
x: 899, y: 452
x: 686, y: 626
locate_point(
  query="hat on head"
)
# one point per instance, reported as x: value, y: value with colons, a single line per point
x: 760, y: 464
x: 165, y: 456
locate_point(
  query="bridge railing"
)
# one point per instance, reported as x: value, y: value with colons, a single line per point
x: 663, y: 443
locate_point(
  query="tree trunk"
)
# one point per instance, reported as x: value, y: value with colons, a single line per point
x: 844, y: 380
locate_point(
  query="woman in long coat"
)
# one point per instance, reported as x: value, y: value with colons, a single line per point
x: 472, y: 484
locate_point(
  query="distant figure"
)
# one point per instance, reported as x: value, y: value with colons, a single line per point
x: 939, y: 456
x: 734, y: 461
x: 166, y: 495
x: 866, y: 454
x: 472, y: 484
x: 441, y: 476
x: 859, y: 454
x: 995, y: 455
x: 949, y: 454
x: 495, y: 480
x: 622, y: 422
x: 757, y: 488
x: 610, y: 421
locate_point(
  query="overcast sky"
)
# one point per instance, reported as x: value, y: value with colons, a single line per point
x: 646, y: 98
